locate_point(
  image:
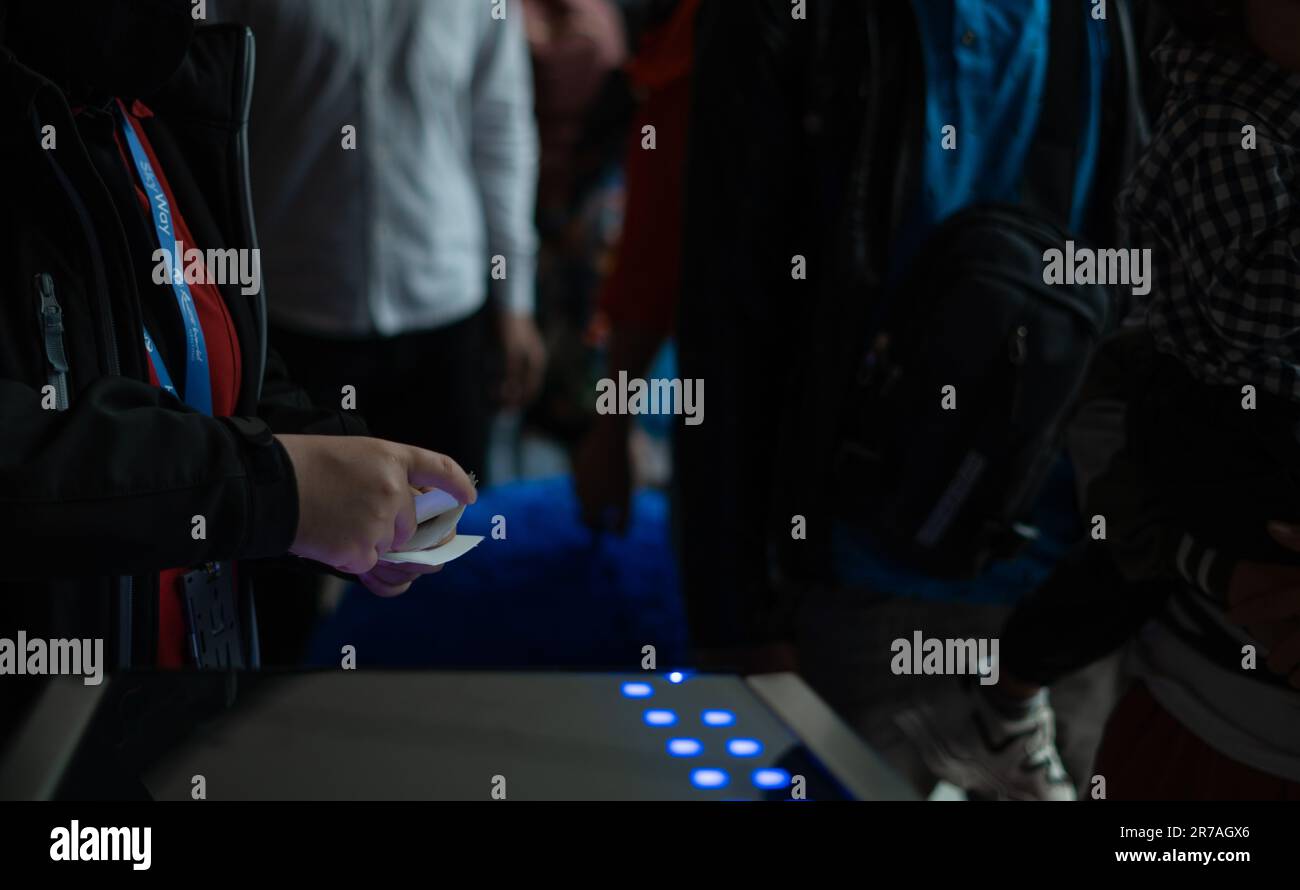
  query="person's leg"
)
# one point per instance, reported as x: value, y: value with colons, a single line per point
x: 430, y: 388
x: 439, y: 394
x: 1066, y: 635
x: 845, y: 651
x: 1085, y: 611
x: 723, y: 472
x: 1081, y: 701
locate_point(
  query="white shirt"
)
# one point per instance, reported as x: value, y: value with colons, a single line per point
x: 400, y: 234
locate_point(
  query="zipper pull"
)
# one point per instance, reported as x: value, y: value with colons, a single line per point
x: 52, y: 323
x: 52, y: 338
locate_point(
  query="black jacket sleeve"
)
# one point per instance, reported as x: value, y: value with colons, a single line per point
x: 129, y: 480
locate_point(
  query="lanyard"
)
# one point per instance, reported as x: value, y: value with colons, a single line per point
x: 198, y: 380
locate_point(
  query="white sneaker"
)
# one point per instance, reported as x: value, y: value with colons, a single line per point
x: 966, y: 741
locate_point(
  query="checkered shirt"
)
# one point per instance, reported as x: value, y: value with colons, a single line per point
x: 1222, y: 220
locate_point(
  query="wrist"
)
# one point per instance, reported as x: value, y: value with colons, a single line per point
x: 271, y: 520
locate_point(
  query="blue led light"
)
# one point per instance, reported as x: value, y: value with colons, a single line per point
x: 684, y: 747
x: 657, y: 717
x: 709, y: 778
x: 770, y: 777
x: 719, y: 718
x: 744, y: 747
x: 638, y: 690
x: 676, y: 677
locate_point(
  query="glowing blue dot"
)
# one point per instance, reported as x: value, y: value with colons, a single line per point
x: 771, y: 777
x: 709, y: 778
x: 744, y: 747
x: 638, y: 690
x: 660, y: 718
x: 719, y: 718
x: 684, y: 747
x: 676, y: 677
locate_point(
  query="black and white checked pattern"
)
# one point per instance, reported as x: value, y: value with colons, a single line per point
x: 1222, y: 221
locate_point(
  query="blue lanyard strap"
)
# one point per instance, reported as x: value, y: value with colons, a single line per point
x: 198, y: 379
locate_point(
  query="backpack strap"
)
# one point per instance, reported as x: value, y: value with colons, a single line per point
x: 1053, y: 162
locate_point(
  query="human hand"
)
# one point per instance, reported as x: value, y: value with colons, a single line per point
x: 389, y: 579
x: 356, y: 499
x: 602, y: 475
x: 525, y: 358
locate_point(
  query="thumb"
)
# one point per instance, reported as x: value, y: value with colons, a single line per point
x: 428, y: 468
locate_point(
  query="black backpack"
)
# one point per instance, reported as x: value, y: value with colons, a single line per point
x: 948, y: 487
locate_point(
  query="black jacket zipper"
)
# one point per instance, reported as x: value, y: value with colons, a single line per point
x: 56, y: 356
x: 126, y: 612
x: 97, y: 261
